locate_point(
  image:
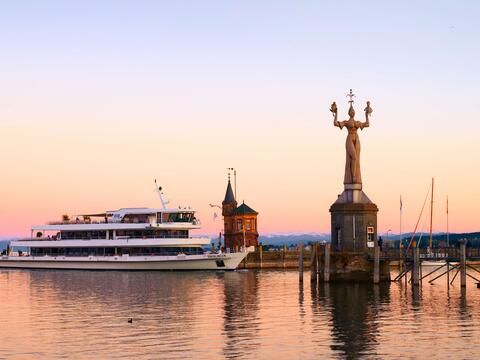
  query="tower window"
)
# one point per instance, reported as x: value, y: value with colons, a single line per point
x: 248, y: 225
x: 239, y: 225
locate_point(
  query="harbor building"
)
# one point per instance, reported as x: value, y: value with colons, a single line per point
x: 240, y: 223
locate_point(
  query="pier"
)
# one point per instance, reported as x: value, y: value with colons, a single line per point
x: 447, y: 261
x: 452, y: 263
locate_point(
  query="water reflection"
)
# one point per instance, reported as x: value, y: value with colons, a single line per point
x: 240, y: 309
x: 354, y: 309
x: 244, y: 314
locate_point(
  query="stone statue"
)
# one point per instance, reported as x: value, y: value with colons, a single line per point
x: 352, y: 164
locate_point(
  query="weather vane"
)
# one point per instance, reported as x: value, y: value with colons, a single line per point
x: 351, y: 95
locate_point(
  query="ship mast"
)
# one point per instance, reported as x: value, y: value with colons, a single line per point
x: 158, y: 189
x: 448, y: 233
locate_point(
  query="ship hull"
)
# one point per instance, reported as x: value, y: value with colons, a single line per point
x: 166, y: 263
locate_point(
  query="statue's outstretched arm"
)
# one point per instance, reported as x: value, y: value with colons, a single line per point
x: 339, y: 124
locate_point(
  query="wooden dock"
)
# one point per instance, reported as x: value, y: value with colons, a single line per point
x: 452, y: 262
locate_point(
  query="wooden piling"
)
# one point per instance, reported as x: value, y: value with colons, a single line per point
x: 420, y: 271
x: 416, y: 266
x: 313, y: 263
x: 300, y: 263
x: 326, y: 264
x: 376, y: 265
x: 260, y: 255
x: 448, y: 275
x: 284, y: 254
x: 401, y: 264
x: 317, y: 253
x: 463, y: 265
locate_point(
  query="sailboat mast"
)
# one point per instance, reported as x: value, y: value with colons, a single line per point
x: 431, y: 214
x: 401, y: 208
x: 448, y: 233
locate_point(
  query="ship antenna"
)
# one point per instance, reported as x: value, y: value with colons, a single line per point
x: 158, y: 189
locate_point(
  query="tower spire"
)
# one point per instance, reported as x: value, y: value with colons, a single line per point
x: 229, y: 197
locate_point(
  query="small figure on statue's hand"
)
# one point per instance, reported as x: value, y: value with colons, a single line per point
x: 368, y: 109
x: 333, y: 108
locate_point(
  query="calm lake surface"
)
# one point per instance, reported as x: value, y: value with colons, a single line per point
x: 243, y: 314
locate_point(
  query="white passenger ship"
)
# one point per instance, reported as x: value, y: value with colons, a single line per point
x: 125, y: 239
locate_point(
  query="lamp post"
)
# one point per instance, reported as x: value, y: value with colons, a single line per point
x: 235, y: 225
x: 220, y: 237
x: 234, y: 181
x: 388, y: 231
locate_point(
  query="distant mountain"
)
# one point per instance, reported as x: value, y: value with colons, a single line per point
x: 292, y: 239
x: 438, y: 239
x: 281, y: 239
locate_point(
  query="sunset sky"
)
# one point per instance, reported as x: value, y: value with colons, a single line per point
x: 99, y: 99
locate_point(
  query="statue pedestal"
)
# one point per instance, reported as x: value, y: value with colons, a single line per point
x: 354, y: 221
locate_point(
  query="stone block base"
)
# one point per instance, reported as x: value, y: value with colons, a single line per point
x: 351, y: 224
x: 348, y: 267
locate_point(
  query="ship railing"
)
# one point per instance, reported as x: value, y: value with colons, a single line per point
x: 123, y: 221
x: 127, y: 237
x: 100, y: 255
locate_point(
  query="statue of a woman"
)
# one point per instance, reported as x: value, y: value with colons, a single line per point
x: 352, y: 164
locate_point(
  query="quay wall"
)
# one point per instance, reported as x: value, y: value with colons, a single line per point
x: 275, y: 259
x: 341, y: 263
x: 343, y: 267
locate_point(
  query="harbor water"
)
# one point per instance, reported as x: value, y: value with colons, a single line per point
x: 225, y: 315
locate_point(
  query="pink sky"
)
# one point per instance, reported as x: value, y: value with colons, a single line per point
x: 90, y: 115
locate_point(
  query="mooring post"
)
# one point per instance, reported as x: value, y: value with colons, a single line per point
x: 448, y: 275
x: 260, y: 255
x: 284, y: 254
x: 313, y: 263
x: 416, y: 265
x: 300, y: 263
x: 376, y: 265
x: 463, y: 264
x: 317, y: 253
x: 326, y: 262
x: 420, y: 270
x: 400, y: 264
